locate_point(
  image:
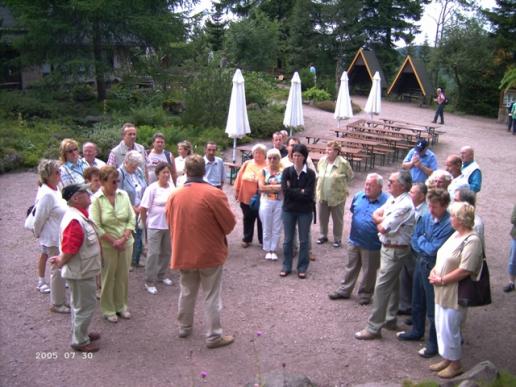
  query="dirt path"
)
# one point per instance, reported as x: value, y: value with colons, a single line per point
x: 300, y: 326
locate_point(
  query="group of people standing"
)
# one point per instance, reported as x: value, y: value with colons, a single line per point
x: 425, y: 226
x: 125, y: 205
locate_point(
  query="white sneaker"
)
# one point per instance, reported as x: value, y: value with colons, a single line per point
x: 167, y: 281
x: 43, y: 288
x: 274, y: 256
x: 268, y: 256
x: 151, y: 289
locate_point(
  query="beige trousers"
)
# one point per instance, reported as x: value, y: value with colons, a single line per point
x: 210, y: 280
x: 386, y: 291
x: 368, y: 261
x: 57, y: 283
x: 337, y: 217
x: 82, y: 303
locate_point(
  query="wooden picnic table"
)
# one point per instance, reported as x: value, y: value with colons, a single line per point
x: 410, y: 136
x: 354, y: 155
x: 394, y: 143
x: 430, y: 128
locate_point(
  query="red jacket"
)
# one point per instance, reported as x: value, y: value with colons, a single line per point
x: 199, y: 218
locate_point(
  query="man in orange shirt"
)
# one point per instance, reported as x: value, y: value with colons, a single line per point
x: 199, y: 219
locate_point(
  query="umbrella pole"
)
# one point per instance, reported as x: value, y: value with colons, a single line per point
x: 234, y: 150
x: 338, y: 124
x: 291, y: 131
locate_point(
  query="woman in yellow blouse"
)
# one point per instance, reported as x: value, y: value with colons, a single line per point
x: 246, y: 185
x: 335, y: 173
x: 459, y: 257
x: 111, y: 210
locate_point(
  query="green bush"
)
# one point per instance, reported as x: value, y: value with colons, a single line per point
x: 258, y: 88
x: 307, y: 79
x: 316, y: 95
x: 83, y: 93
x: 207, y: 98
x: 147, y: 115
x: 264, y: 123
x: 24, y: 105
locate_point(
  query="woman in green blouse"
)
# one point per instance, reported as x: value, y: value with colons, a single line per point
x: 111, y: 210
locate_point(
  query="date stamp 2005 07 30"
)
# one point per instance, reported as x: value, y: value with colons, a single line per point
x: 65, y: 355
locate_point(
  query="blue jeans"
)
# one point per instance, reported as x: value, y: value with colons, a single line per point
x: 303, y: 221
x: 423, y: 304
x: 138, y: 246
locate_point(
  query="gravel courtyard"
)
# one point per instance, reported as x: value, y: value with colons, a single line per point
x: 301, y: 329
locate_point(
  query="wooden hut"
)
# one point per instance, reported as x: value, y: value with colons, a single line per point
x: 361, y: 72
x: 412, y: 82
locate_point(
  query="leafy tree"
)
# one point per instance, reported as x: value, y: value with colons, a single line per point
x: 214, y: 28
x: 252, y: 43
x: 503, y: 20
x: 466, y: 53
x: 386, y: 22
x: 75, y: 36
x: 301, y: 41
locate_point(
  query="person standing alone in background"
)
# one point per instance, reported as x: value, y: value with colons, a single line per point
x: 440, y: 99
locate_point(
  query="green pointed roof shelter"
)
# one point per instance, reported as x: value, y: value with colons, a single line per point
x: 362, y: 69
x: 411, y: 78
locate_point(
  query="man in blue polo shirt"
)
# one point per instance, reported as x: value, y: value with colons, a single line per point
x: 214, y: 166
x: 363, y: 244
x: 420, y: 161
x: 432, y: 230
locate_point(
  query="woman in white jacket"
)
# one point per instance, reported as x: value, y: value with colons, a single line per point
x: 50, y: 208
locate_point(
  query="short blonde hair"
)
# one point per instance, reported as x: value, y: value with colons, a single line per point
x: 66, y: 144
x: 259, y: 148
x: 46, y: 168
x: 464, y: 213
x: 274, y: 152
x: 106, y: 171
x: 334, y: 145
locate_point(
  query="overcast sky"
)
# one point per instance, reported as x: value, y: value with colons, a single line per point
x: 428, y: 21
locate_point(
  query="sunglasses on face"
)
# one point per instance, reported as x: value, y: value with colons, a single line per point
x: 72, y: 150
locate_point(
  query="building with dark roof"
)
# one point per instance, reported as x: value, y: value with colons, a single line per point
x: 361, y: 72
x: 412, y: 81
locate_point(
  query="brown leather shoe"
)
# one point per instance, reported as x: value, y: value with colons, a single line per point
x: 222, y: 341
x: 90, y: 347
x: 450, y: 372
x: 364, y: 334
x: 436, y: 367
x: 94, y: 336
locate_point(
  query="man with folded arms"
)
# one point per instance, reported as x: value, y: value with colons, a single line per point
x: 199, y: 219
x: 395, y: 223
x: 432, y: 230
x: 363, y: 243
x: 80, y: 264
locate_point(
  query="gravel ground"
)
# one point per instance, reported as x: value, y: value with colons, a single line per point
x: 302, y: 329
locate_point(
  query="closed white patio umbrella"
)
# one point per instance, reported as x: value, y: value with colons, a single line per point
x: 237, y: 125
x: 343, y: 108
x: 374, y: 101
x: 294, y: 110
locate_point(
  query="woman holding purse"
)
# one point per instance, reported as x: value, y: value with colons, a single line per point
x: 460, y: 256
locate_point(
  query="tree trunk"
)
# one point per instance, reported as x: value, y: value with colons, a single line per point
x: 99, y: 64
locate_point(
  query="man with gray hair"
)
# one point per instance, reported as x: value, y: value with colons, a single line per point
x: 395, y: 223
x: 363, y: 243
x: 454, y: 166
